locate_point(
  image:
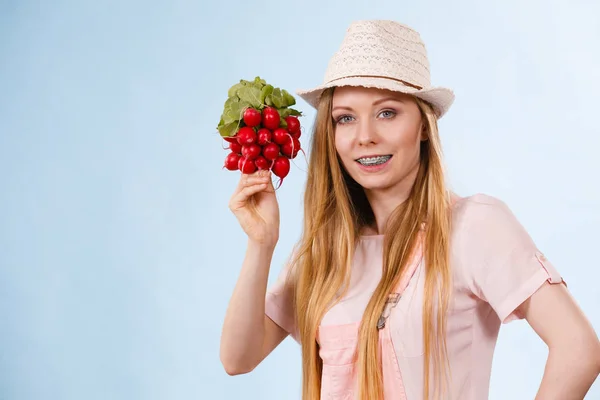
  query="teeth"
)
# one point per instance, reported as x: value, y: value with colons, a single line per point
x: 373, y: 160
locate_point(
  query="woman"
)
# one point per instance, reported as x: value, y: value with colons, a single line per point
x: 398, y: 287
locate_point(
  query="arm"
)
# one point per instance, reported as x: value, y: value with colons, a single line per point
x: 574, y: 350
x: 248, y: 334
x: 504, y: 267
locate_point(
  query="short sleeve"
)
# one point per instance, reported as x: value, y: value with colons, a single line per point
x: 279, y: 305
x: 502, y: 264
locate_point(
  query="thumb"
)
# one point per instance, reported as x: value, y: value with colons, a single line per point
x: 270, y: 188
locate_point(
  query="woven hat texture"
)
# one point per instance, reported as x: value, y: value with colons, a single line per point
x: 386, y: 55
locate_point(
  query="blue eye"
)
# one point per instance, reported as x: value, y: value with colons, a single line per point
x: 388, y: 114
x: 344, y: 119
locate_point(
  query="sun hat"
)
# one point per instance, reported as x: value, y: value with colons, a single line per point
x: 386, y: 55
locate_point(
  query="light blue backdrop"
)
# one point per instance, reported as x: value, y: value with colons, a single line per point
x: 118, y: 253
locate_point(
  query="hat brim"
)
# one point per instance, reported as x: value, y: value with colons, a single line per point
x: 439, y: 97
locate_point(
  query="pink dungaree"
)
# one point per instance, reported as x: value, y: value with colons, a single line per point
x: 338, y: 347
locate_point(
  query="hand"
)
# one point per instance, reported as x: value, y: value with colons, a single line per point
x: 255, y: 206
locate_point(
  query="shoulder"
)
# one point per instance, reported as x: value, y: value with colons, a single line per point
x: 478, y: 203
x: 484, y: 223
x: 480, y: 211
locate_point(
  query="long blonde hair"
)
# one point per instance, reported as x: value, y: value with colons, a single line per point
x: 335, y: 211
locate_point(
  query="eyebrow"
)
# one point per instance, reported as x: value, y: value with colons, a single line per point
x: 376, y: 102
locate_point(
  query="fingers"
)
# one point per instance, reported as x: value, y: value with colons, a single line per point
x: 240, y: 199
x: 250, y: 179
x: 249, y: 185
x: 254, y: 179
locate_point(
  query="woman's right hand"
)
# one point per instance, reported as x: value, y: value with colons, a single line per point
x: 255, y: 206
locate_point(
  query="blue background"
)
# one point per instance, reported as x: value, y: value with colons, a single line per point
x: 118, y: 253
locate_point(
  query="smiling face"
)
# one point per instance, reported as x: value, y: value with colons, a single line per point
x: 378, y: 136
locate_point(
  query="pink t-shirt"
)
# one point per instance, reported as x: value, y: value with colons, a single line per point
x: 496, y: 267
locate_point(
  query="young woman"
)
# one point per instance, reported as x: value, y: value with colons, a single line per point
x: 398, y: 287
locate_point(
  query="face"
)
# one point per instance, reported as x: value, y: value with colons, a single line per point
x: 377, y: 136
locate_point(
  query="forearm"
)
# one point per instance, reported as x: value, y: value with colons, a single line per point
x: 569, y: 374
x: 243, y: 329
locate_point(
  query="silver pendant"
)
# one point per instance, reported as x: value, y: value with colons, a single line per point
x: 389, y: 304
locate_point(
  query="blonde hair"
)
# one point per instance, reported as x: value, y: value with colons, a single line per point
x: 335, y: 211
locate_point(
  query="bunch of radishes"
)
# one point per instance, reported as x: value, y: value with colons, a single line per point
x: 262, y: 131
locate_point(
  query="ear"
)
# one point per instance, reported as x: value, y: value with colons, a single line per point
x: 424, y: 133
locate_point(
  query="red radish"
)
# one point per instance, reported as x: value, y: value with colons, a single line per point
x: 293, y: 125
x: 246, y: 135
x: 281, y: 136
x: 261, y: 163
x: 231, y: 161
x: 235, y: 147
x: 251, y: 151
x: 252, y: 117
x: 281, y: 167
x: 264, y: 136
x: 270, y: 151
x: 246, y: 166
x: 270, y: 118
x: 291, y: 148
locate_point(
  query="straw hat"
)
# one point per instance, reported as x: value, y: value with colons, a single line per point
x: 386, y: 55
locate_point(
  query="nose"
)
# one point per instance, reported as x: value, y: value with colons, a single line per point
x: 365, y: 134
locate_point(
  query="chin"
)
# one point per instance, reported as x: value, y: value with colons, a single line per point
x: 374, y: 183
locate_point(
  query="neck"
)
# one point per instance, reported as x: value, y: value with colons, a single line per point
x: 384, y: 201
